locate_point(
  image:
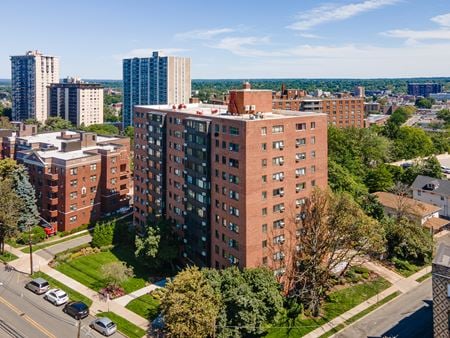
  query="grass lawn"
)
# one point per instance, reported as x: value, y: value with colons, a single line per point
x: 424, y: 277
x: 86, y: 269
x: 337, y: 303
x: 8, y: 257
x: 127, y: 328
x: 43, y: 245
x: 73, y: 295
x: 145, y: 306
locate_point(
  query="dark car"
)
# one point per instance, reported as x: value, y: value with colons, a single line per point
x: 77, y: 310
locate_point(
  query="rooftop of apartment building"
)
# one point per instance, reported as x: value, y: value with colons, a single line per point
x: 221, y: 111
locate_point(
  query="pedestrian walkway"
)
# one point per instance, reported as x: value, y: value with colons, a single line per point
x: 402, y: 285
x: 124, y: 300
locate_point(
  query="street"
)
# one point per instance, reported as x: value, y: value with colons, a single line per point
x: 24, y: 314
x: 409, y: 316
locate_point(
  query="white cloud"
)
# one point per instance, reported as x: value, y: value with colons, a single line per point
x: 205, y: 34
x: 147, y: 52
x: 310, y: 36
x: 242, y: 46
x: 442, y: 20
x: 331, y: 12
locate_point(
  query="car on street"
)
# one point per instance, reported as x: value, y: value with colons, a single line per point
x: 38, y: 286
x: 56, y: 297
x: 104, y: 325
x: 77, y: 310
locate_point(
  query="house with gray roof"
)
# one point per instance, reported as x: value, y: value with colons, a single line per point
x: 433, y: 191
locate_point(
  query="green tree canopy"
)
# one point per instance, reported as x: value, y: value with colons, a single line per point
x: 411, y: 143
x: 379, y: 179
x: 56, y: 123
x: 11, y: 205
x: 102, y: 129
x: 424, y: 103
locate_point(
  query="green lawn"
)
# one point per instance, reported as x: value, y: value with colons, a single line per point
x: 424, y: 277
x: 337, y: 303
x: 86, y: 269
x: 43, y: 245
x: 73, y: 295
x: 145, y: 306
x: 8, y: 257
x: 127, y: 328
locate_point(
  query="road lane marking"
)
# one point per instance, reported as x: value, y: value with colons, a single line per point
x: 27, y: 318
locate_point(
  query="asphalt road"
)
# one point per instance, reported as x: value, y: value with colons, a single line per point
x: 408, y: 316
x: 49, y: 252
x: 26, y: 315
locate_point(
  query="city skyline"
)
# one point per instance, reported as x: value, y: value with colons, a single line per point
x: 308, y: 39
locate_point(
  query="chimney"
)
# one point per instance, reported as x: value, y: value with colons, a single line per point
x: 247, y: 85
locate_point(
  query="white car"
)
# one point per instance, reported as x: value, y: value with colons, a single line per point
x: 56, y: 296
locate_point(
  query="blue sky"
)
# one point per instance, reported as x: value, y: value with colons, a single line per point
x: 235, y: 39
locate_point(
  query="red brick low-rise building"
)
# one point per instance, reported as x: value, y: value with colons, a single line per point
x: 78, y: 176
x: 232, y: 178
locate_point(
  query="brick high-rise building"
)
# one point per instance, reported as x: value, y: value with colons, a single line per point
x: 79, y: 102
x: 154, y: 80
x: 78, y: 176
x: 30, y: 75
x: 232, y: 178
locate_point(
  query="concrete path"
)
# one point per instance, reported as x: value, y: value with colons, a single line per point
x: 403, y: 285
x: 124, y: 300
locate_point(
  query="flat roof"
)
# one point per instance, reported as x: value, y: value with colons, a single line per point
x: 221, y: 111
x: 75, y: 154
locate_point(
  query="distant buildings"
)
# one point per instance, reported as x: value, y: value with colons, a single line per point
x: 231, y: 178
x: 30, y: 75
x: 76, y: 101
x: 343, y: 111
x: 359, y: 91
x: 155, y: 80
x: 376, y: 119
x: 440, y: 96
x: 78, y: 176
x: 424, y: 89
x: 441, y: 291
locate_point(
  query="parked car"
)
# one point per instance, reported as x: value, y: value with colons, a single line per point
x: 104, y: 325
x: 56, y: 297
x: 77, y: 310
x: 38, y: 286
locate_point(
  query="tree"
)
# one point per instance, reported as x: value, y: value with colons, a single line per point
x: 250, y: 300
x: 424, y: 103
x: 333, y: 231
x: 431, y: 167
x: 103, y: 129
x: 340, y: 179
x: 115, y: 273
x: 103, y: 234
x: 9, y: 212
x: 412, y: 142
x: 129, y: 132
x: 37, y: 235
x: 159, y: 245
x: 379, y: 179
x: 189, y: 305
x: 29, y: 214
x: 444, y: 114
x: 56, y: 123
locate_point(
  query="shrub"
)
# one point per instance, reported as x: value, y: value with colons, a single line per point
x: 402, y: 264
x: 113, y: 291
x: 103, y: 234
x: 116, y: 272
x: 37, y: 235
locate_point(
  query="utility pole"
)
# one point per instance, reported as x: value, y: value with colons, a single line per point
x: 31, y: 249
x: 79, y: 328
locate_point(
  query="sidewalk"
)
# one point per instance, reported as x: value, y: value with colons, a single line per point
x: 403, y: 285
x: 124, y: 300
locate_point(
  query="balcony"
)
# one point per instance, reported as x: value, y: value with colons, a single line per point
x: 53, y: 213
x: 51, y: 176
x: 53, y: 188
x: 53, y: 201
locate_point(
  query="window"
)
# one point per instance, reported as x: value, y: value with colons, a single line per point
x: 264, y: 178
x: 233, y: 179
x: 300, y: 157
x: 277, y: 129
x: 278, y: 176
x: 93, y: 178
x: 264, y: 228
x: 73, y: 207
x: 234, y: 211
x: 313, y: 125
x: 313, y: 154
x: 113, y: 181
x: 278, y: 192
x: 279, y: 224
x: 278, y: 160
x: 264, y: 131
x: 264, y: 163
x: 233, y: 163
x: 264, y: 244
x: 300, y: 172
x: 313, y: 183
x: 278, y: 145
x: 73, y: 219
x: 73, y: 183
x: 278, y: 256
x: 234, y: 195
x: 278, y: 207
x: 278, y: 239
x: 93, y: 167
x: 313, y: 169
x: 264, y: 146
x: 73, y: 195
x: 300, y: 126
x: 313, y: 140
x: 264, y: 195
x: 73, y: 171
x: 300, y: 142
x: 264, y: 211
x: 264, y: 260
x: 234, y: 147
x: 300, y: 186
x: 300, y: 202
x: 234, y: 131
